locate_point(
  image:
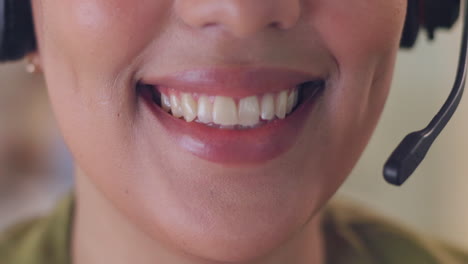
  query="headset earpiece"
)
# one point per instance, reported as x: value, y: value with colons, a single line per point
x: 17, y: 36
x: 440, y: 14
x: 429, y: 14
x: 411, y: 29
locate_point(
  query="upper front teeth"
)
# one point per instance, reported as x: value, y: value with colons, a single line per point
x: 205, y: 109
x: 249, y: 111
x: 268, y: 107
x: 227, y: 111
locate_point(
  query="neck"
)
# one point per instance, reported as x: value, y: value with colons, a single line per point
x: 101, y: 234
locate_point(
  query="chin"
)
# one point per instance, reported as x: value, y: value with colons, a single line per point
x: 224, y: 214
x: 230, y: 234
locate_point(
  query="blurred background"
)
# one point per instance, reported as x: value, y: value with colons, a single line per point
x: 36, y: 169
x: 35, y: 166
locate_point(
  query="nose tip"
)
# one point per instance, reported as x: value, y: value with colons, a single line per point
x: 241, y: 18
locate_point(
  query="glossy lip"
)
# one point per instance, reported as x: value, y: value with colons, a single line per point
x: 234, y: 82
x: 236, y: 148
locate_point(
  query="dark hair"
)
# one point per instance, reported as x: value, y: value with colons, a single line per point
x: 17, y: 36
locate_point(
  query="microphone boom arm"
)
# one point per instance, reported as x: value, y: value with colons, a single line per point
x: 414, y: 147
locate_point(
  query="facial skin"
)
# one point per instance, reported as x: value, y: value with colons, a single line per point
x: 137, y: 191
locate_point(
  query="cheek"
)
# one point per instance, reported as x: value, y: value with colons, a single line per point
x: 85, y: 45
x: 364, y: 37
x: 359, y: 28
x: 97, y: 35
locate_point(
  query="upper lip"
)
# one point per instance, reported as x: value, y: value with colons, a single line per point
x: 233, y: 81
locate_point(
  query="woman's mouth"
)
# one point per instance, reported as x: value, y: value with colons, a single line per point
x: 232, y: 128
x: 224, y: 112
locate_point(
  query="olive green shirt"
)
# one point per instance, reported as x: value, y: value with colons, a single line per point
x: 352, y: 236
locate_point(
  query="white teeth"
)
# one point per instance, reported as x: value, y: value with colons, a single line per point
x: 225, y: 111
x: 205, y: 110
x: 292, y: 99
x: 281, y: 104
x: 296, y: 98
x: 165, y: 102
x: 268, y: 107
x: 189, y: 107
x: 176, y: 107
x: 249, y: 111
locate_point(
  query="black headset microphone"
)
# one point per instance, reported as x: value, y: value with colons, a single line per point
x: 17, y: 39
x: 411, y: 151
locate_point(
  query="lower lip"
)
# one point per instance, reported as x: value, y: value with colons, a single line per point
x: 236, y: 147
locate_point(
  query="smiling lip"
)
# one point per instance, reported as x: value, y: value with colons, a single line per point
x: 234, y: 82
x: 234, y: 147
